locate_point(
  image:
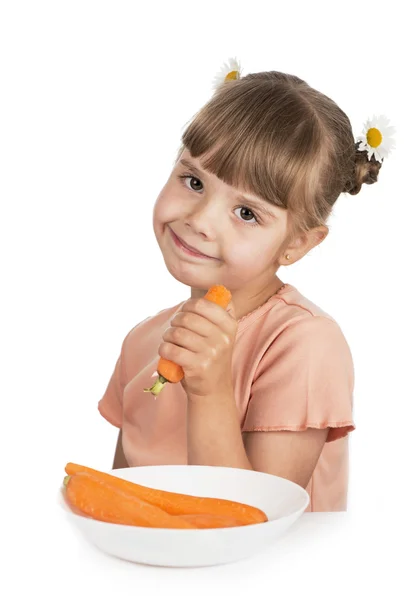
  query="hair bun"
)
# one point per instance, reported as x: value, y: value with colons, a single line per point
x: 365, y: 171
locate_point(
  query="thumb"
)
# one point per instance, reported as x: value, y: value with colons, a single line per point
x: 231, y: 309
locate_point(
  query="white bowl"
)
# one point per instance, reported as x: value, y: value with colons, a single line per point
x: 282, y: 500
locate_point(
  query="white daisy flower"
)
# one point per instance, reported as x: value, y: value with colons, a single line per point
x: 376, y: 138
x: 230, y: 70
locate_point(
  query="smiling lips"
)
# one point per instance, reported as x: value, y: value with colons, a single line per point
x: 191, y: 248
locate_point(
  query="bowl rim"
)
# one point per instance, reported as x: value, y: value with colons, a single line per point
x: 248, y: 472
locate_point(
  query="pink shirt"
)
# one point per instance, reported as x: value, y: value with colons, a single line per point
x: 292, y: 369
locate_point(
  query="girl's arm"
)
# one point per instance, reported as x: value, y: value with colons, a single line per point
x: 289, y: 454
x: 119, y: 461
x: 215, y: 438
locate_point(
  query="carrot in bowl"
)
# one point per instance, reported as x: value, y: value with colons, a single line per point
x: 212, y: 521
x: 103, y: 501
x: 169, y: 371
x: 176, y: 503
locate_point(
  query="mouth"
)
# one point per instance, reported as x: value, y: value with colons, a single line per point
x: 187, y: 248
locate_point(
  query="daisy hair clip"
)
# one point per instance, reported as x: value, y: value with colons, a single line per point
x: 376, y: 137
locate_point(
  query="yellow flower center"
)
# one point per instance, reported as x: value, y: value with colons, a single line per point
x: 374, y: 137
x: 232, y: 75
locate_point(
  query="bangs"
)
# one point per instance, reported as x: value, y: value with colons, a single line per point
x: 262, y: 138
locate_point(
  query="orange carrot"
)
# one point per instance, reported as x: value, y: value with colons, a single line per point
x: 169, y: 371
x: 211, y: 521
x: 175, y: 503
x: 106, y: 502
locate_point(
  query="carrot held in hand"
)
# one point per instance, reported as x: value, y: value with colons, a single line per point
x: 105, y: 502
x: 169, y: 371
x: 175, y: 503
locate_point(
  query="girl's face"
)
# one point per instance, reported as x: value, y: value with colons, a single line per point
x: 241, y: 241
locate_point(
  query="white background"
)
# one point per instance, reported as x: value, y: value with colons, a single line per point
x: 94, y: 98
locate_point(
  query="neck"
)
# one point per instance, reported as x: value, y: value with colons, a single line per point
x: 244, y: 301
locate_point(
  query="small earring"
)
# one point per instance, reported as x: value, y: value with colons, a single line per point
x: 287, y: 256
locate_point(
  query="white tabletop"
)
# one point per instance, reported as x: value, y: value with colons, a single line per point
x: 324, y: 555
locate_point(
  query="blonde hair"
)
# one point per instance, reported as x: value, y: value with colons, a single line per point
x: 272, y: 135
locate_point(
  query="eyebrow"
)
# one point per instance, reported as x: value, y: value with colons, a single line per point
x: 259, y: 205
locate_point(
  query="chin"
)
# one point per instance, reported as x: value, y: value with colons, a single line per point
x: 190, y: 277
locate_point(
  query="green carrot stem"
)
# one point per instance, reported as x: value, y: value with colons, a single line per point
x: 157, y: 386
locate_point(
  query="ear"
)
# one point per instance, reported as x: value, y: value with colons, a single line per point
x: 302, y: 244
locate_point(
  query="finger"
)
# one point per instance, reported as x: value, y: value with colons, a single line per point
x: 184, y: 338
x: 208, y: 331
x: 211, y: 311
x: 194, y: 322
x: 180, y: 356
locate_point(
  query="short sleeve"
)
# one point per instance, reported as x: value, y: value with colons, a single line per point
x: 305, y: 379
x: 111, y: 404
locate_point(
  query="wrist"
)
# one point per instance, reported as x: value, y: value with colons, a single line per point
x: 219, y: 397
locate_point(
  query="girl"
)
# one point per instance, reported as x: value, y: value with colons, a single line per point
x: 268, y: 382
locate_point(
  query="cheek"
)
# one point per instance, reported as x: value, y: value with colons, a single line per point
x: 160, y: 217
x: 253, y: 256
x: 245, y: 252
x: 166, y: 209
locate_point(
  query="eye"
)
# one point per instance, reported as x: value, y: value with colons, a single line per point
x: 247, y: 210
x: 191, y: 177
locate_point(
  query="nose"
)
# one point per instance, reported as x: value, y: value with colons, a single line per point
x: 204, y: 219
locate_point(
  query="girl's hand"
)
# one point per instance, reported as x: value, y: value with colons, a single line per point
x: 200, y: 339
